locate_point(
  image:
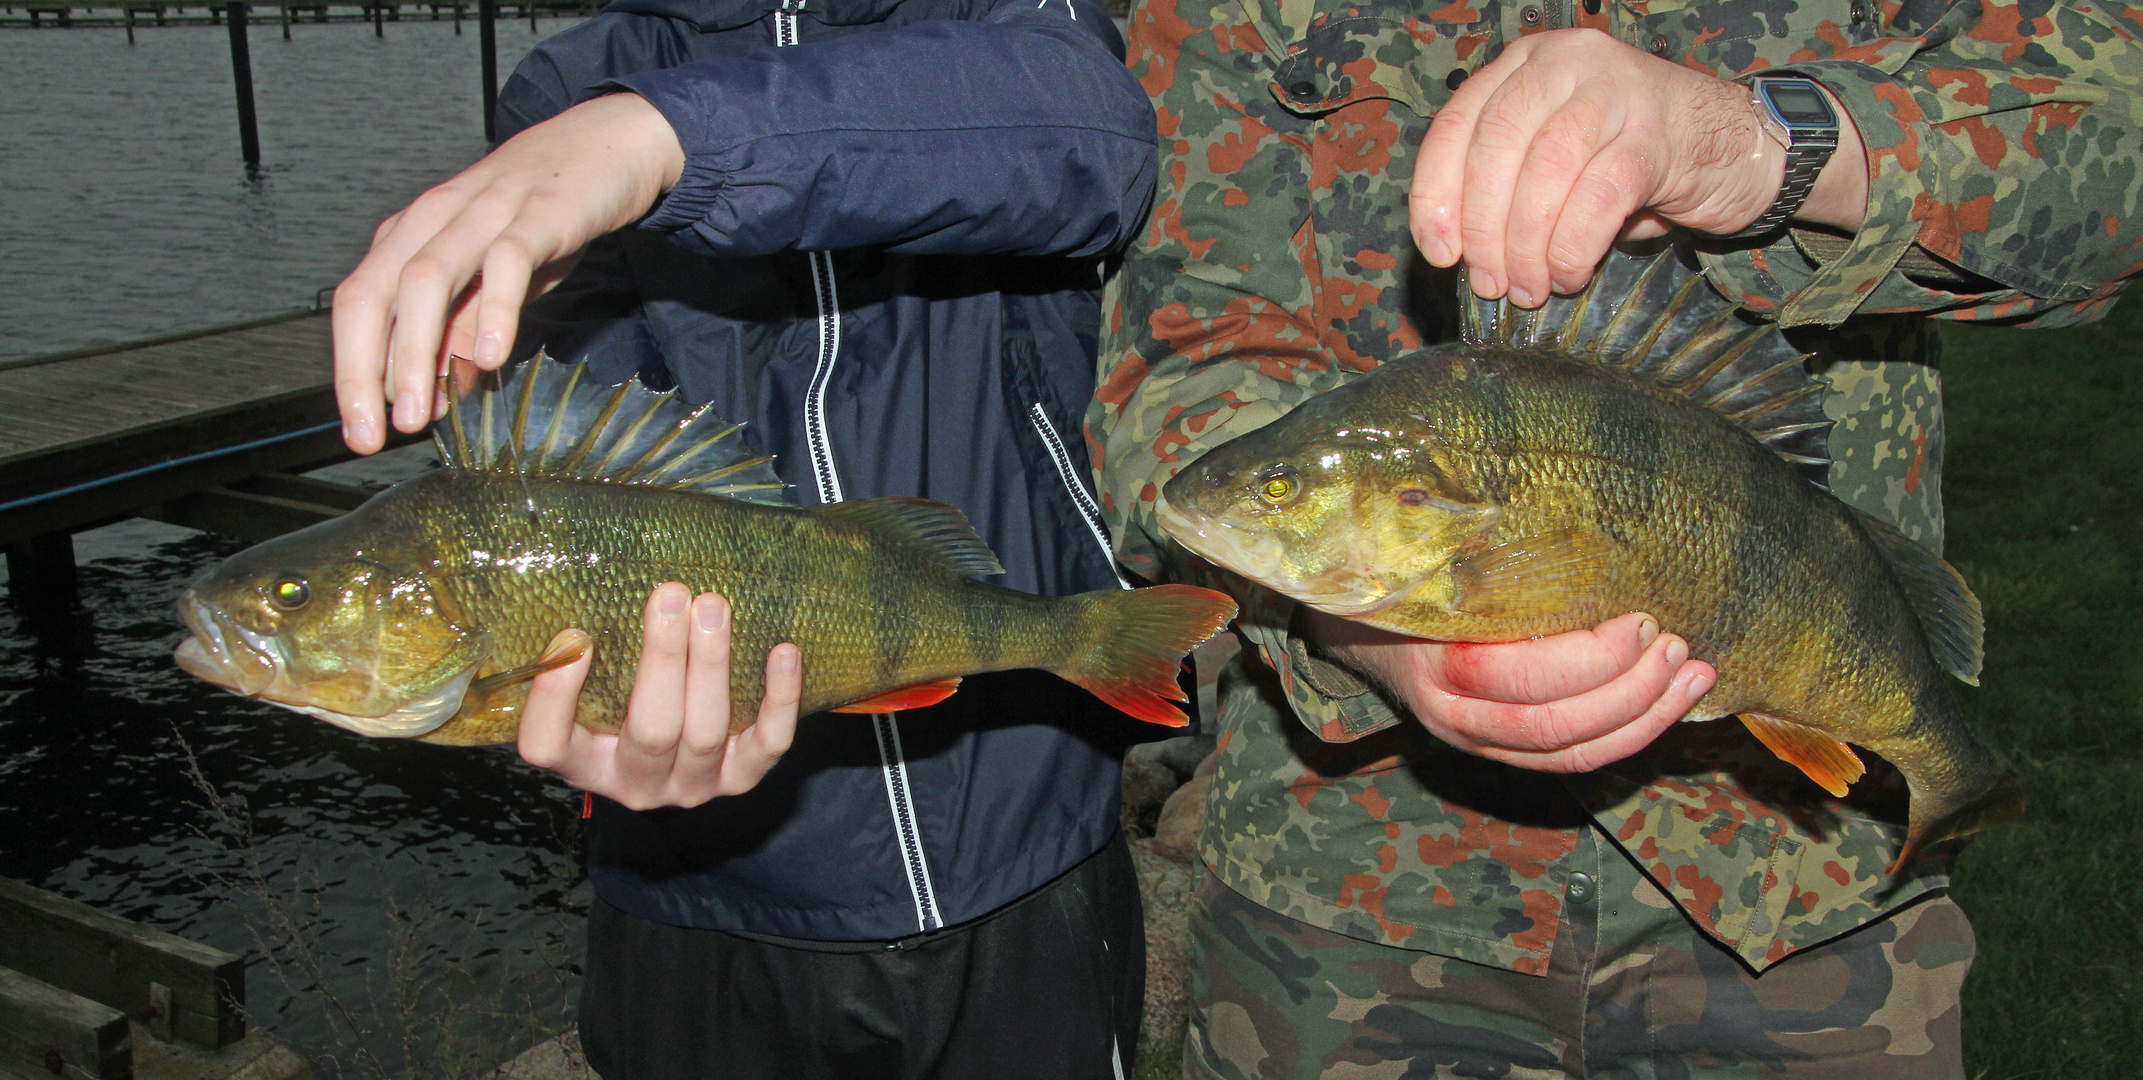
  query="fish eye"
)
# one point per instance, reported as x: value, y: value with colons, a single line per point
x: 290, y: 594
x: 1279, y: 485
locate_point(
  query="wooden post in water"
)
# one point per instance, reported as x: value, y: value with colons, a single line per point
x: 487, y: 38
x: 283, y: 12
x: 242, y: 74
x: 130, y: 24
x: 379, y: 16
x: 457, y: 18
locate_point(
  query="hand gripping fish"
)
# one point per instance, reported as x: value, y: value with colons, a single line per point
x: 424, y: 612
x: 1638, y: 447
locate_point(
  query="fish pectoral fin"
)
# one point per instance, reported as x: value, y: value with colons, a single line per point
x: 1534, y: 575
x: 902, y: 698
x: 568, y: 646
x: 1830, y: 763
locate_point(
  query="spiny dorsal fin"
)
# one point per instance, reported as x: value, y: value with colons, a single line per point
x: 938, y: 530
x: 1654, y: 316
x: 545, y: 419
x: 1948, y: 612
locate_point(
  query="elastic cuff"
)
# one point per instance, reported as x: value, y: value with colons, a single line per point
x: 705, y: 175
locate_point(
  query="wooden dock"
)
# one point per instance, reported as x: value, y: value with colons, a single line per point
x: 202, y: 428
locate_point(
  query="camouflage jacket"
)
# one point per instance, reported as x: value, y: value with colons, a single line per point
x: 1277, y: 265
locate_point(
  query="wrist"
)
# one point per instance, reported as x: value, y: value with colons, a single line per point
x: 1813, y: 165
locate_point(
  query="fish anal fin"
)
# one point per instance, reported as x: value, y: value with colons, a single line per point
x: 1830, y: 763
x: 902, y: 698
x: 1948, y: 612
x: 1532, y: 576
x: 936, y: 528
x: 568, y: 646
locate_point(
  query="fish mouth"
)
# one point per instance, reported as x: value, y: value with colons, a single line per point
x: 1262, y: 558
x: 225, y: 654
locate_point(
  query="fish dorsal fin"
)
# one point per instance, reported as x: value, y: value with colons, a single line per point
x: 546, y: 419
x: 934, y: 528
x: 1654, y: 316
x: 1948, y: 612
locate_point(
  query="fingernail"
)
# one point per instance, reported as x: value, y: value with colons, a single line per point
x: 359, y: 430
x: 786, y: 660
x: 1677, y: 651
x: 672, y: 604
x: 1437, y: 252
x: 1647, y: 632
x: 488, y: 348
x: 405, y: 407
x: 1523, y: 297
x: 710, y: 613
x: 1701, y: 685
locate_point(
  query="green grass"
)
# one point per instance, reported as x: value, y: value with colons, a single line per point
x: 2044, y: 489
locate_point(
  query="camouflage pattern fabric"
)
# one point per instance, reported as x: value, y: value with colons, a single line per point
x: 1635, y: 994
x: 1277, y: 265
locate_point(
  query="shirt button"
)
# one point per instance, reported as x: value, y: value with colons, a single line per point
x: 1660, y: 44
x: 1302, y: 91
x: 1457, y: 76
x: 1592, y: 7
x: 1860, y: 13
x: 1580, y: 889
x: 1530, y: 16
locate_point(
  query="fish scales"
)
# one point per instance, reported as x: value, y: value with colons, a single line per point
x: 425, y: 612
x: 1559, y: 469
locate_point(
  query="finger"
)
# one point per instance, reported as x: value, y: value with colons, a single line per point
x: 359, y: 327
x: 706, y: 704
x: 1559, y: 157
x: 431, y: 282
x: 759, y: 747
x: 1689, y: 686
x: 1503, y: 135
x: 1602, y: 206
x: 507, y: 269
x: 1434, y: 199
x: 1551, y: 668
x: 647, y: 743
x: 546, y: 730
x: 1558, y: 725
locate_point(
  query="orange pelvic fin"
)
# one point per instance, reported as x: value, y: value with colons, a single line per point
x: 1827, y: 761
x: 568, y: 646
x: 902, y: 698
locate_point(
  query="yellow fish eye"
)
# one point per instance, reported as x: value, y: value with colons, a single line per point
x: 290, y: 593
x: 1279, y: 486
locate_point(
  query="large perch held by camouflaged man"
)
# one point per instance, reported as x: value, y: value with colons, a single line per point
x: 1638, y: 447
x: 424, y: 612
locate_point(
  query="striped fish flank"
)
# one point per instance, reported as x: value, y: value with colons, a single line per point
x: 1641, y: 446
x: 424, y: 612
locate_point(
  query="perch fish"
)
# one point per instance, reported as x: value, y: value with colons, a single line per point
x: 424, y: 612
x: 1638, y: 447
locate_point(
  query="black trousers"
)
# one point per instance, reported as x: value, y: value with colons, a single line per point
x: 1047, y: 987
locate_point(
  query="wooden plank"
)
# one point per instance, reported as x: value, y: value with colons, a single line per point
x: 112, y: 961
x: 247, y: 515
x: 47, y: 1031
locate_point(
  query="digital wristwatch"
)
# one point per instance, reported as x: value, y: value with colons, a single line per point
x: 1798, y: 116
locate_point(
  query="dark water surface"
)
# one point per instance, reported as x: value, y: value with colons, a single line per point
x: 408, y: 910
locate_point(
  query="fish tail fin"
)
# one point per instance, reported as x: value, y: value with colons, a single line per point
x: 1960, y: 787
x: 1135, y: 643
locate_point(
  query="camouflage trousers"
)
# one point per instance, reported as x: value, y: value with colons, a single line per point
x: 1634, y: 992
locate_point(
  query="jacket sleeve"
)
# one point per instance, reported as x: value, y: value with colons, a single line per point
x: 2005, y: 176
x: 1017, y: 133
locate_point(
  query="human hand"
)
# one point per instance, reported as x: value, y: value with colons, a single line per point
x: 1571, y: 139
x: 675, y: 748
x: 1566, y: 703
x: 449, y: 273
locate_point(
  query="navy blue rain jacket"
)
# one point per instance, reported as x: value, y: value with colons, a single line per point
x: 885, y: 254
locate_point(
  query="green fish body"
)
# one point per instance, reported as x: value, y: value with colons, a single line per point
x: 424, y: 612
x: 1639, y: 447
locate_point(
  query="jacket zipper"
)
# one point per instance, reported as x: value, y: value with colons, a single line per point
x: 892, y: 764
x: 1067, y: 472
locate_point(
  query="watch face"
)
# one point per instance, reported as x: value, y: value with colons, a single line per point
x: 1799, y: 104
